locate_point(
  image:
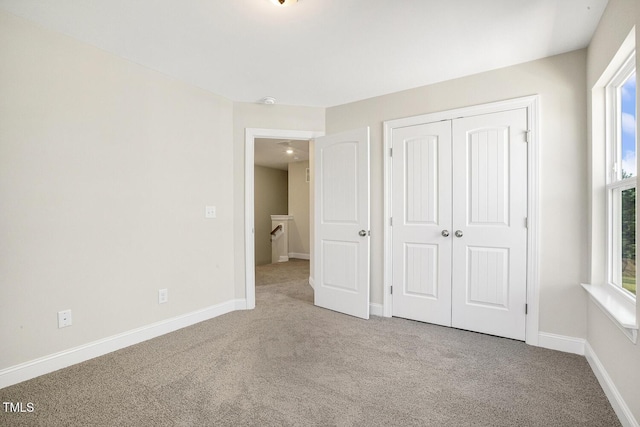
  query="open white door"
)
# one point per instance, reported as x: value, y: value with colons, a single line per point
x: 341, y: 244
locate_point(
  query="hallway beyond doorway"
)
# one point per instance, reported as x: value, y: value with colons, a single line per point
x: 282, y: 272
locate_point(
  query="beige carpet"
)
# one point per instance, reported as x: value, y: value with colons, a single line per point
x: 294, y: 270
x: 290, y: 363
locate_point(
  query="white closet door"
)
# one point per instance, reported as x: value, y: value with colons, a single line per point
x: 341, y: 248
x: 421, y: 208
x: 489, y: 222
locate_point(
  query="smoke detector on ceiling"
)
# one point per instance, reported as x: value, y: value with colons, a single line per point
x: 268, y: 100
x: 284, y: 2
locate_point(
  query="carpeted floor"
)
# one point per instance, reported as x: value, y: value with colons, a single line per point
x: 290, y: 363
x: 294, y: 270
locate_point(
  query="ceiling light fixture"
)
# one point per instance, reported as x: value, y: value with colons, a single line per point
x: 268, y: 100
x: 284, y: 2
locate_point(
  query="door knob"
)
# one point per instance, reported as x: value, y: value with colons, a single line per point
x: 362, y: 233
x: 458, y: 233
x: 445, y: 233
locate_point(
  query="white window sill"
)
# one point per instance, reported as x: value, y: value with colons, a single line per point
x: 621, y: 310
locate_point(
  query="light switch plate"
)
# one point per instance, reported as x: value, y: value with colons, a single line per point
x: 163, y: 296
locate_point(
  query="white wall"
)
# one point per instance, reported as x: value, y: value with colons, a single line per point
x: 105, y: 170
x: 299, y: 207
x: 247, y: 115
x: 271, y: 198
x: 620, y: 358
x: 560, y: 81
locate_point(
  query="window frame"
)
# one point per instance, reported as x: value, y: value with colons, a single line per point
x: 614, y: 302
x: 614, y: 181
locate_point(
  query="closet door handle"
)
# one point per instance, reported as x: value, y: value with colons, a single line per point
x: 459, y: 233
x: 445, y: 233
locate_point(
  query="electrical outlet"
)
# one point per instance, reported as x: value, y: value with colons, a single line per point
x: 210, y: 212
x: 64, y: 318
x: 163, y: 296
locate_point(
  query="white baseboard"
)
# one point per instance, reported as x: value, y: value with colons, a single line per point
x: 53, y: 362
x: 617, y: 402
x: 375, y: 309
x: 311, y: 282
x: 238, y: 304
x: 283, y: 258
x: 561, y: 343
x: 299, y: 255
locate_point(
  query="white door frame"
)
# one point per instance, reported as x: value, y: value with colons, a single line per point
x: 531, y: 103
x: 249, y: 221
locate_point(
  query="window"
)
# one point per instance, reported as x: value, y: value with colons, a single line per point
x: 612, y: 275
x: 621, y: 182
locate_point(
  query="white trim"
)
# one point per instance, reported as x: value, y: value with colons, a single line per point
x: 618, y: 307
x: 533, y: 222
x: 312, y: 282
x: 283, y: 258
x: 561, y: 343
x: 53, y: 362
x: 613, y: 161
x: 298, y: 255
x: 387, y: 270
x: 249, y: 223
x: 281, y: 217
x: 618, y: 404
x: 375, y: 309
x: 531, y: 103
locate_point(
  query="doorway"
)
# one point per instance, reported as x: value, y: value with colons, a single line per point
x: 281, y: 202
x: 251, y: 134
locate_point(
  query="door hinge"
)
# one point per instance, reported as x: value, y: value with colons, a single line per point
x: 390, y: 152
x: 391, y: 289
x: 526, y: 309
x: 526, y: 222
x: 527, y: 136
x: 391, y: 221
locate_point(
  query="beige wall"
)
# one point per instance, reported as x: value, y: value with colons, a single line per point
x: 560, y: 82
x: 271, y: 198
x: 106, y: 166
x: 299, y: 208
x: 247, y: 115
x: 618, y: 355
x: 105, y: 170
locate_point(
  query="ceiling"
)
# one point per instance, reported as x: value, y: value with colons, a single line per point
x: 320, y: 52
x: 272, y: 153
